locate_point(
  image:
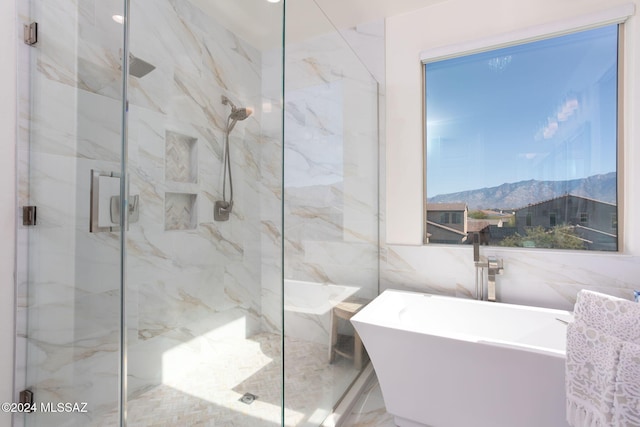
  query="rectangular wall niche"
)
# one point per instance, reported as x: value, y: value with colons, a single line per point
x: 181, y: 158
x: 180, y: 211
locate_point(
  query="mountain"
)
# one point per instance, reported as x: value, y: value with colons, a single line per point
x: 520, y: 194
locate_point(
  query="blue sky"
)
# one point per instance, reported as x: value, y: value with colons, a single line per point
x: 544, y: 110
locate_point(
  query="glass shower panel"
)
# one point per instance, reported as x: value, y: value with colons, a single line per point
x: 68, y: 282
x: 330, y: 212
x: 204, y: 295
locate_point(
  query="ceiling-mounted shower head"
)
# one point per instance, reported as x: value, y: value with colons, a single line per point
x: 138, y: 67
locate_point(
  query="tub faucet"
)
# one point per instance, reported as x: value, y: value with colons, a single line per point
x: 476, y: 247
x: 479, y: 265
x: 495, y: 266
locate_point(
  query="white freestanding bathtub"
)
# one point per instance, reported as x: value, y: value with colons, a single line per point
x: 449, y: 362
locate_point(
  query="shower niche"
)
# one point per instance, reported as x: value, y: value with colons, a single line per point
x: 181, y: 158
x: 180, y: 211
x: 181, y: 176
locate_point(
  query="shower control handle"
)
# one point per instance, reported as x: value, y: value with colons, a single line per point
x: 221, y: 210
x: 94, y: 206
x: 111, y: 214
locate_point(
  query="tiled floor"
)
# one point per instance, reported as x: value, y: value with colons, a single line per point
x: 207, y: 393
x: 369, y: 411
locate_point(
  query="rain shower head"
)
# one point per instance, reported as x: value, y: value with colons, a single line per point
x: 138, y: 67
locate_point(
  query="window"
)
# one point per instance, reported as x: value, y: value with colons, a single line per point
x: 456, y: 218
x: 525, y: 136
x: 584, y: 218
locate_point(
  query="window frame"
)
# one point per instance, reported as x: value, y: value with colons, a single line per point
x: 617, y: 15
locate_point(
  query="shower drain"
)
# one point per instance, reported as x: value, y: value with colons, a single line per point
x: 248, y: 398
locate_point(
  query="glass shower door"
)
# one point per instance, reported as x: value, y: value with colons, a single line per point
x: 330, y: 211
x: 204, y: 295
x: 70, y: 135
x: 203, y: 303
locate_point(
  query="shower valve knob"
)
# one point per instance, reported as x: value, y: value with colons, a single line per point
x: 221, y: 210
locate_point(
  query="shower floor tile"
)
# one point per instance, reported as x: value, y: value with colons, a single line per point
x: 208, y: 392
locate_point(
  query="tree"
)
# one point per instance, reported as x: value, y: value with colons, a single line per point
x: 558, y: 237
x: 478, y: 215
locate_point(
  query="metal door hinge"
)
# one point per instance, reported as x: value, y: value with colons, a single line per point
x: 26, y: 401
x: 31, y: 33
x: 26, y: 397
x: 28, y: 215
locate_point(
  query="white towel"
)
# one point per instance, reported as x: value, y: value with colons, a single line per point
x: 613, y: 316
x: 626, y: 399
x: 592, y: 359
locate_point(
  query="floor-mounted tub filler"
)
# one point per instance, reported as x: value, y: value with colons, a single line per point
x: 450, y: 362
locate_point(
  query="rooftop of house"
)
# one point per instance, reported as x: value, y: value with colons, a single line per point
x: 474, y: 225
x: 448, y: 207
x: 564, y: 196
x: 444, y: 227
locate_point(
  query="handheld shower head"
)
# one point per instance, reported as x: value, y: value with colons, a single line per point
x: 240, y: 113
x: 223, y: 207
x: 237, y: 114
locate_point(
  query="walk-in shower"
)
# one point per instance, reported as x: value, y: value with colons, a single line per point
x: 222, y: 208
x: 175, y: 318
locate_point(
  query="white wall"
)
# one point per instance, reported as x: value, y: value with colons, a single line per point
x: 7, y: 197
x: 528, y: 274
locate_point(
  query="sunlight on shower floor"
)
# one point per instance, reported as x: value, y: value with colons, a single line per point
x: 208, y: 391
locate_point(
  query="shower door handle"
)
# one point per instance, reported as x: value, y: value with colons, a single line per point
x: 94, y: 210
